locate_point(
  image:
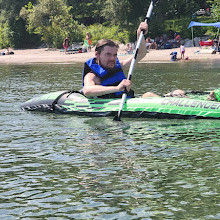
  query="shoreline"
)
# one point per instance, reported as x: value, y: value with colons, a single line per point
x: 45, y: 55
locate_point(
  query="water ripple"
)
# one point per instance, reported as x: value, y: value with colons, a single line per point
x: 67, y: 167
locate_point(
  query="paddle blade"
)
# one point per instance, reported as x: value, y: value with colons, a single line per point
x: 117, y: 118
x: 123, y: 99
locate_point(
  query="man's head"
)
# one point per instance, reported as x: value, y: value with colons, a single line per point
x: 106, y: 53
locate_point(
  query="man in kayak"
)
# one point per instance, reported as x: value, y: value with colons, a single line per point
x: 103, y: 75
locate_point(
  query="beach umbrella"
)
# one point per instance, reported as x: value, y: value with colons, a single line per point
x: 194, y: 23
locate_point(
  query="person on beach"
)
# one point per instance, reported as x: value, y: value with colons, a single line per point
x: 88, y: 38
x: 174, y: 56
x: 66, y: 44
x: 182, y: 51
x: 177, y: 38
x: 128, y: 49
x: 7, y: 52
x: 87, y: 45
x: 103, y: 75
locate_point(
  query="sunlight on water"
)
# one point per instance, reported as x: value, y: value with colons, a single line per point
x: 69, y: 167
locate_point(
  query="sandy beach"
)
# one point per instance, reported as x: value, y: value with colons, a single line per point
x: 44, y: 55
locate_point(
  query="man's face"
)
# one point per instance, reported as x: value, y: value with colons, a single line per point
x: 107, y: 58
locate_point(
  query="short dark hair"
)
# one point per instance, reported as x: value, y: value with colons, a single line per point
x: 105, y: 42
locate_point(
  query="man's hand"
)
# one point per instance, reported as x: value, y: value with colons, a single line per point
x: 142, y: 27
x: 124, y: 84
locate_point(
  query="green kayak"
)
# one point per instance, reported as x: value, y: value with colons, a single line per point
x: 71, y: 102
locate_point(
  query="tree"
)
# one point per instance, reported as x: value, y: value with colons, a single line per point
x: 52, y: 21
x: 12, y: 27
x: 5, y: 35
x: 87, y: 12
x: 128, y: 13
x: 216, y: 10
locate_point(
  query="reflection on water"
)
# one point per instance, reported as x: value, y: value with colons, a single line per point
x: 68, y: 167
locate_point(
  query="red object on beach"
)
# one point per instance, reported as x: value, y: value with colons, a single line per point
x: 206, y: 43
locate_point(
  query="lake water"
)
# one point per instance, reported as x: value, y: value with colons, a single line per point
x: 68, y: 167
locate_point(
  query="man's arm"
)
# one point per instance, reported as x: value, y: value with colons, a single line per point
x: 92, y: 86
x: 142, y: 50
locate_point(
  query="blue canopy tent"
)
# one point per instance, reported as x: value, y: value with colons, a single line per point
x: 193, y: 23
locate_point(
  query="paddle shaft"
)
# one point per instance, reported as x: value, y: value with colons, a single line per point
x: 124, y: 95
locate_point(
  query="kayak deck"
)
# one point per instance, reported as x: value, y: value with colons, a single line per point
x: 160, y: 107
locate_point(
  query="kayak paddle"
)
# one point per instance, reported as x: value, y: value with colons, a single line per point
x: 124, y: 96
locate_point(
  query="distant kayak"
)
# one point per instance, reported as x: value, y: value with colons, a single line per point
x: 71, y: 102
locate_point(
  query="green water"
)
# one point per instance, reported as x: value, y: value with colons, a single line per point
x: 69, y: 167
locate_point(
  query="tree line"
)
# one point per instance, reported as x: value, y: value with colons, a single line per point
x: 31, y: 23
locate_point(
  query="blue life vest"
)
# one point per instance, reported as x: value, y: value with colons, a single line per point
x: 108, y: 78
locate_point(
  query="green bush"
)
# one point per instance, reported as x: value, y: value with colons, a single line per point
x: 5, y: 35
x: 51, y: 20
x: 181, y: 26
x: 99, y: 32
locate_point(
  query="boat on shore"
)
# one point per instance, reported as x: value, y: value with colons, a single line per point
x: 73, y: 102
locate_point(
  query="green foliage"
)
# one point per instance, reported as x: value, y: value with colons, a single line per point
x: 52, y: 21
x: 199, y: 31
x: 179, y: 25
x: 87, y: 12
x: 58, y: 30
x: 27, y: 21
x: 6, y: 35
x: 99, y: 31
x: 216, y: 10
x: 26, y: 11
x: 126, y: 13
x: 9, y: 13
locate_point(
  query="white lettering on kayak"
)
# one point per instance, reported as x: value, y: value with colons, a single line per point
x: 186, y: 103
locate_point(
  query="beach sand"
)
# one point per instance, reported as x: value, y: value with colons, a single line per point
x: 44, y: 55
